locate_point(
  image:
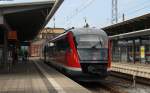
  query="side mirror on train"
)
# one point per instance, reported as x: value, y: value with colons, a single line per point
x: 50, y: 44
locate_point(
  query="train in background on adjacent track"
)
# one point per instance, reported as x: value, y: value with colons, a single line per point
x: 80, y: 52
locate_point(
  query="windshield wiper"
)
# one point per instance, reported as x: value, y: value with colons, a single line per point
x: 96, y: 45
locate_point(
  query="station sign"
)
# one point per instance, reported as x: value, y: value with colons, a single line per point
x: 142, y: 52
x: 12, y: 35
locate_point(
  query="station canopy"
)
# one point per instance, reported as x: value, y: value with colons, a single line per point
x: 28, y: 18
x: 135, y: 24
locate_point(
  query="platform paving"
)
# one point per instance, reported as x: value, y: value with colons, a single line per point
x: 59, y: 81
x: 36, y: 77
x: 140, y: 70
x: 22, y: 78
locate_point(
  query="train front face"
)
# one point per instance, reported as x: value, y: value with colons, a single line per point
x: 92, y: 47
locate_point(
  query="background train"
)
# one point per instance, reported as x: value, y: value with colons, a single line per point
x: 80, y: 52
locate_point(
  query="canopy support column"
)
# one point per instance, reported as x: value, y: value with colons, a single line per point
x: 5, y: 50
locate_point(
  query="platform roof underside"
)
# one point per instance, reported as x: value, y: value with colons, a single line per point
x: 135, y: 24
x: 28, y: 18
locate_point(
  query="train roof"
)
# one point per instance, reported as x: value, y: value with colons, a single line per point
x: 82, y: 31
x: 92, y: 31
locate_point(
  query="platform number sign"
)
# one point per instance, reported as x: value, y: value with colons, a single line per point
x: 12, y: 35
x: 142, y: 52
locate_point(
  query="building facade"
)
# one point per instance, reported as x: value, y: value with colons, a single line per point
x: 36, y: 46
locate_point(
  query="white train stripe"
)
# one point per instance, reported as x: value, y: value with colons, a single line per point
x: 66, y: 67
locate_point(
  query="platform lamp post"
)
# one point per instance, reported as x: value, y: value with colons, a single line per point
x: 4, y: 30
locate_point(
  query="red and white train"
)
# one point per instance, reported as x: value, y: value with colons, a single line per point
x: 83, y: 51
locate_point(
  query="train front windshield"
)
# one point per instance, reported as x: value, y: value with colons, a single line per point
x: 92, y: 48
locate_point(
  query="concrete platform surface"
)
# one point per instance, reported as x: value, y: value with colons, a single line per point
x: 140, y: 70
x: 22, y: 78
x: 36, y: 77
x: 59, y: 81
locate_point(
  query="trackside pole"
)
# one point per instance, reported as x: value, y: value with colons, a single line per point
x: 134, y: 78
x: 134, y: 81
x: 109, y: 52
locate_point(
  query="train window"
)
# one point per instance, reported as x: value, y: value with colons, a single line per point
x: 90, y: 41
x: 62, y: 44
x: 93, y: 54
x: 92, y: 47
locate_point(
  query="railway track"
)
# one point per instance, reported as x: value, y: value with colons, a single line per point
x: 96, y: 87
x: 128, y: 77
x: 104, y: 86
x: 114, y: 84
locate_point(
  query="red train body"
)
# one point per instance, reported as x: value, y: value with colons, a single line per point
x: 80, y: 52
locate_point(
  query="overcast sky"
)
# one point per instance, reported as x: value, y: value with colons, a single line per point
x: 97, y: 12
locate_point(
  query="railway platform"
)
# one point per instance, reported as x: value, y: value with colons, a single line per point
x: 36, y: 77
x: 140, y: 70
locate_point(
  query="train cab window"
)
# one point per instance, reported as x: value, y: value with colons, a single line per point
x: 90, y: 41
x: 62, y: 44
x: 92, y: 47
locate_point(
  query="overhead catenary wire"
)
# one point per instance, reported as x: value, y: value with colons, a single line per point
x: 131, y: 11
x: 90, y: 2
x: 135, y: 11
x: 76, y: 9
x: 144, y: 7
x: 73, y: 12
x: 133, y: 7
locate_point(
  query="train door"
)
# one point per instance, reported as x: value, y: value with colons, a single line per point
x: 133, y: 51
x: 123, y: 54
x: 130, y: 51
x: 137, y: 50
x: 115, y: 52
x: 62, y: 46
x: 122, y: 50
x: 137, y: 53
